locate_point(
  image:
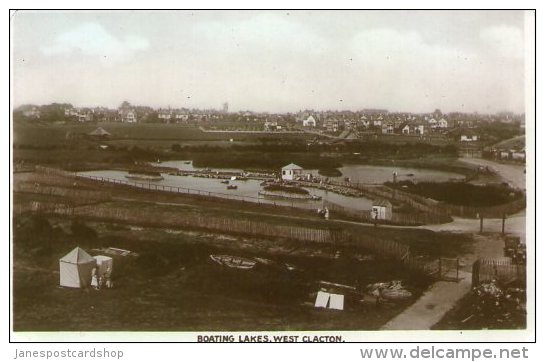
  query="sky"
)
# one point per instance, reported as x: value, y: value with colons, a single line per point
x: 272, y: 61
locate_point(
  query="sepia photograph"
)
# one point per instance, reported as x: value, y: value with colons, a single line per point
x: 272, y: 175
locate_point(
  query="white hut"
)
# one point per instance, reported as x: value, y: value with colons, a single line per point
x: 381, y: 210
x: 105, y: 265
x: 76, y: 268
x: 291, y: 171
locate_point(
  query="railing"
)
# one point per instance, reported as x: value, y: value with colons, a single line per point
x: 383, y: 248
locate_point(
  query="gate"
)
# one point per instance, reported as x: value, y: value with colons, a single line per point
x: 448, y: 269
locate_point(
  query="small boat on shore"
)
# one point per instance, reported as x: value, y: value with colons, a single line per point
x: 235, y: 262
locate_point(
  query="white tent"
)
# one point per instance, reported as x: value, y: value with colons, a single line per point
x: 76, y: 268
x: 104, y: 265
x: 329, y: 300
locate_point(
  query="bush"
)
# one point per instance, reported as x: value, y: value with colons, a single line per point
x: 80, y: 230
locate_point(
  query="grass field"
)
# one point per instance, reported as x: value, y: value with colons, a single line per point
x: 28, y: 133
x: 173, y: 285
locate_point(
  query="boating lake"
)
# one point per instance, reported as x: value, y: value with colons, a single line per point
x: 249, y: 190
x: 357, y: 173
x: 246, y: 190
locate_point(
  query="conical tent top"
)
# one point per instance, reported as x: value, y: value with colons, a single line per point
x: 77, y: 256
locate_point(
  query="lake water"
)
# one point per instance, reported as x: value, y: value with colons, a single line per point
x: 357, y: 173
x: 187, y: 165
x: 381, y: 174
x: 247, y: 190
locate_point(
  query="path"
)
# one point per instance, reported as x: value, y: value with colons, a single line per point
x: 442, y: 296
x: 432, y: 305
x: 511, y: 173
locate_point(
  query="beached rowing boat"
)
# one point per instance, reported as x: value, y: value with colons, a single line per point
x: 236, y: 262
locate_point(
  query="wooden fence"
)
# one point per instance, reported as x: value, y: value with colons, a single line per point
x: 78, y: 195
x: 497, y: 211
x: 383, y: 248
x: 437, y: 210
x: 416, y: 218
x: 502, y: 270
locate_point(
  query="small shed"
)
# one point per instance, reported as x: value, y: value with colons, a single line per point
x: 291, y: 171
x: 381, y: 210
x: 75, y: 269
x: 104, y: 265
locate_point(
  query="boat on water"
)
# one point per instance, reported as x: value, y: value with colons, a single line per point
x: 235, y: 262
x: 316, y: 197
x: 144, y: 176
x: 225, y: 182
x: 232, y: 187
x: 187, y: 162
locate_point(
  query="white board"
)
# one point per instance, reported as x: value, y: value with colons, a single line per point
x: 321, y: 300
x: 336, y: 301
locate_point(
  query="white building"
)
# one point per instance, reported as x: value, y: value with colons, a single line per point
x: 291, y: 171
x: 381, y: 210
x: 128, y: 117
x: 442, y: 123
x: 164, y: 116
x: 309, y: 122
x: 469, y: 138
x: 419, y: 129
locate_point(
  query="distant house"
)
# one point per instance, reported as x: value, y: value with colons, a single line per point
x: 309, y: 122
x: 469, y: 138
x: 33, y: 112
x: 331, y: 125
x: 377, y: 123
x: 128, y: 117
x: 432, y: 122
x: 270, y: 126
x: 388, y: 128
x: 442, y: 123
x: 365, y: 122
x: 291, y: 171
x: 518, y: 155
x: 84, y: 117
x: 405, y: 129
x: 181, y: 116
x: 419, y: 129
x: 165, y: 116
x: 381, y: 210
